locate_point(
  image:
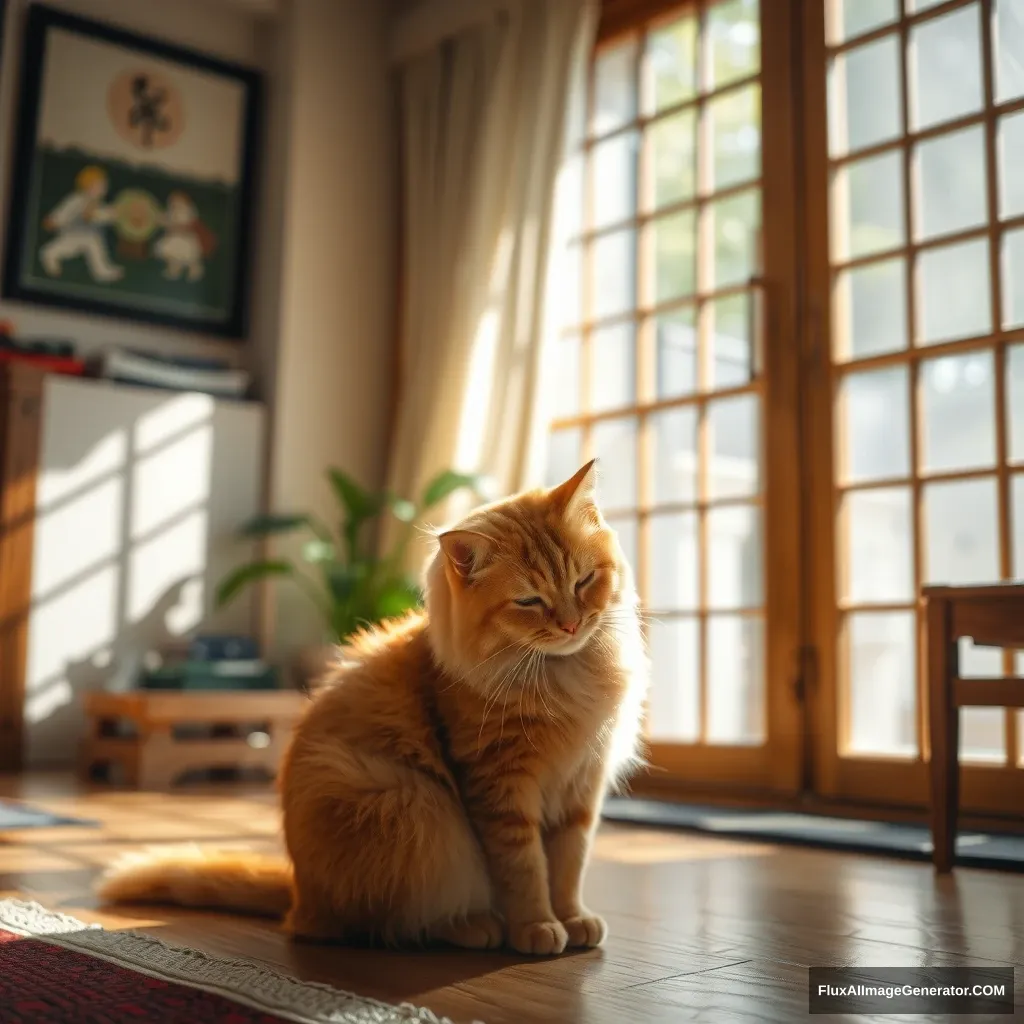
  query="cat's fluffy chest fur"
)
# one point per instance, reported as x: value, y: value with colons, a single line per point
x: 561, y: 720
x: 548, y: 723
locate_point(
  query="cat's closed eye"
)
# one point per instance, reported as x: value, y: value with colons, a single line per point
x: 530, y: 602
x: 580, y: 584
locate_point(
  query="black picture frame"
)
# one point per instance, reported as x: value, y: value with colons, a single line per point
x: 226, y: 279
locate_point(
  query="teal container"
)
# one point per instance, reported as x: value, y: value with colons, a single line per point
x: 211, y: 675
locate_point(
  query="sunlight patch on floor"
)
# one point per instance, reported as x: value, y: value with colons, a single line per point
x: 640, y: 847
x: 12, y: 859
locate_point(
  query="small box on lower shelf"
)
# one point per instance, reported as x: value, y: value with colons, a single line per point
x: 251, y: 674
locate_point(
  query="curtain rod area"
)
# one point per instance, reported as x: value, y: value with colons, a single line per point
x: 431, y: 21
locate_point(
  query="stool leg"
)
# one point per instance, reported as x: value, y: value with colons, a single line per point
x: 159, y: 760
x: 944, y: 720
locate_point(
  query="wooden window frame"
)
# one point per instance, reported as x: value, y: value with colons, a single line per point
x: 838, y: 775
x: 799, y: 389
x: 777, y: 764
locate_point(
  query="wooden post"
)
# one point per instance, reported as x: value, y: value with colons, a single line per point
x: 21, y: 413
x: 941, y: 668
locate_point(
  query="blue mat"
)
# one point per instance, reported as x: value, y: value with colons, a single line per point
x: 913, y: 842
x: 16, y: 815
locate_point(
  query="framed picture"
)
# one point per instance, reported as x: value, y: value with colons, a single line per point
x: 133, y: 178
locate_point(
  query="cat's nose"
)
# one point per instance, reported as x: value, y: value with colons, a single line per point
x: 569, y: 627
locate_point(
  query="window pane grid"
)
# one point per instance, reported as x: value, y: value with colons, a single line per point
x: 945, y: 514
x: 647, y: 311
x: 912, y: 138
x: 915, y: 137
x: 838, y: 45
x: 844, y: 487
x: 914, y: 248
x: 845, y: 365
x: 646, y: 217
x: 691, y: 615
x: 850, y: 20
x: 683, y: 500
x: 643, y: 121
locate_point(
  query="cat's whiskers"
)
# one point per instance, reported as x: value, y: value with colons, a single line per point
x: 603, y: 644
x: 491, y: 657
x: 522, y: 696
x: 468, y: 676
x: 539, y: 688
x: 503, y: 685
x: 626, y: 613
x: 498, y: 690
x: 504, y: 708
x: 532, y: 654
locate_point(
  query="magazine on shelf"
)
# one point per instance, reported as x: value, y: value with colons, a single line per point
x: 178, y: 374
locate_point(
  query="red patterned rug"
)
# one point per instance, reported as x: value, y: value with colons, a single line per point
x: 56, y: 970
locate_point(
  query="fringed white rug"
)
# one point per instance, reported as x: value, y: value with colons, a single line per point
x: 55, y: 968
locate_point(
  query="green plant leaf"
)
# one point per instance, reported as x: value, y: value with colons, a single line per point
x: 359, y: 503
x: 343, y: 624
x: 266, y: 525
x: 396, y: 598
x: 274, y: 523
x: 402, y: 509
x: 236, y: 581
x: 445, y: 484
x: 343, y: 581
x: 317, y: 551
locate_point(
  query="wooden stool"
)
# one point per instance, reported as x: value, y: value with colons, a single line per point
x: 992, y: 616
x: 145, y: 734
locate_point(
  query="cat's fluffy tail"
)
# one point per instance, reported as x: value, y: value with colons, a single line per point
x: 248, y: 883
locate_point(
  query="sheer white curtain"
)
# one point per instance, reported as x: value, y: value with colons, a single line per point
x: 487, y: 120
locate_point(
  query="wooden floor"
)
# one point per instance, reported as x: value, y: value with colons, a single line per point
x: 701, y: 928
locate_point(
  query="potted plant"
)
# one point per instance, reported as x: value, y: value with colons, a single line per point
x: 349, y: 586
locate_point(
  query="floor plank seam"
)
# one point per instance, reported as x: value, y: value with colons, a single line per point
x: 685, y: 974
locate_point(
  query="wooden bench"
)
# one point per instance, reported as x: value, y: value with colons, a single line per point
x: 992, y: 616
x: 151, y: 739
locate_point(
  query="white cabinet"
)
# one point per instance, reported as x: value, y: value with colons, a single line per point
x: 138, y: 498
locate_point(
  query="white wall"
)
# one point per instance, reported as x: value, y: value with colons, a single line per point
x: 333, y: 149
x: 226, y: 30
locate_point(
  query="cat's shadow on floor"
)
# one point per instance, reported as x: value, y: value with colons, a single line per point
x: 413, y: 975
x: 407, y: 973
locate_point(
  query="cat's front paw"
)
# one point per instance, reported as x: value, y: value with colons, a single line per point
x: 585, y: 929
x: 538, y: 938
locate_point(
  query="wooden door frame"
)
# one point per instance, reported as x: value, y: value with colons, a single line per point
x: 778, y: 764
x: 788, y: 668
x: 816, y: 411
x: 866, y: 779
x: 21, y: 415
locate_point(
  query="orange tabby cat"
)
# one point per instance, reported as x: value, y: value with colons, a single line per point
x: 448, y: 782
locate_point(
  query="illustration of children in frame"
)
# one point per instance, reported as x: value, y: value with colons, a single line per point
x: 78, y: 221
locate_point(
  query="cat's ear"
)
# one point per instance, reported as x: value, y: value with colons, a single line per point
x: 578, y: 492
x: 466, y: 551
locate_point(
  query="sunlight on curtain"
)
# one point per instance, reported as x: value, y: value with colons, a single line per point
x: 486, y: 121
